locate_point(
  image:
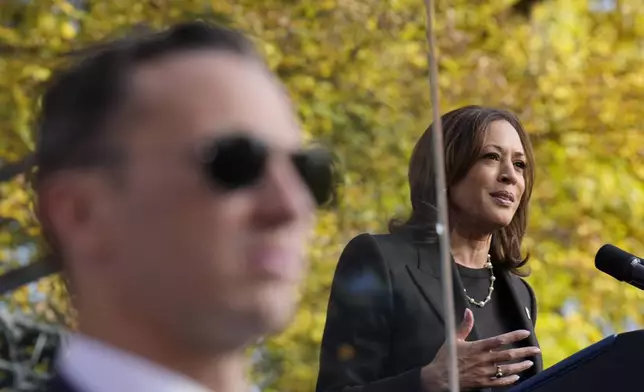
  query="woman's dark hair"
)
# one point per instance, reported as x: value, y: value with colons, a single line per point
x: 463, y: 134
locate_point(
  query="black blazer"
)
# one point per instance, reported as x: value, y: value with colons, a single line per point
x: 59, y: 384
x: 385, y: 315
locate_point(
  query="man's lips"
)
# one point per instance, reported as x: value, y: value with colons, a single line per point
x: 279, y: 263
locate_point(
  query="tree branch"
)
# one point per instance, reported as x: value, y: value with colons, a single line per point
x: 20, y: 50
x: 28, y: 274
x: 524, y: 7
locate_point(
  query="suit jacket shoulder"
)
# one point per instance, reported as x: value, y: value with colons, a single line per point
x: 386, y: 252
x: 397, y: 249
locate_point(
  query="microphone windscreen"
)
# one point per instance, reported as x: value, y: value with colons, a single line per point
x: 614, y: 261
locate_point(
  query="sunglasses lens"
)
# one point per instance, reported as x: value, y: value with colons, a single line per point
x: 316, y: 169
x: 237, y: 162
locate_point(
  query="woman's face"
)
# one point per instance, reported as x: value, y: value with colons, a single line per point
x: 490, y: 193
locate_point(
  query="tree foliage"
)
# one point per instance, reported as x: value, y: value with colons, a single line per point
x: 357, y: 70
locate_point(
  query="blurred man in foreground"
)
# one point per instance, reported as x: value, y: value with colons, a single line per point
x: 173, y: 188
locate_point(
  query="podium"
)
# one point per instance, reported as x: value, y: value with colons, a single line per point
x: 612, y: 364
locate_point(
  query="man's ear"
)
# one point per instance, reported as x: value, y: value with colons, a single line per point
x: 71, y: 206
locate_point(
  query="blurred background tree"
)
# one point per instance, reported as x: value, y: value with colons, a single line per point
x: 572, y: 69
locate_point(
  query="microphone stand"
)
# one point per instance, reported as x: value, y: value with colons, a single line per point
x: 442, y: 223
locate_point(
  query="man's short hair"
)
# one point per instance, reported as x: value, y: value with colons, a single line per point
x: 76, y: 108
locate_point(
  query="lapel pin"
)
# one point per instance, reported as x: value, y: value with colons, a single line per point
x: 527, y: 312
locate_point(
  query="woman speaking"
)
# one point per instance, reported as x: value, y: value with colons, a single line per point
x: 385, y: 330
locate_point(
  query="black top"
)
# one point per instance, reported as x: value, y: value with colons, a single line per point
x: 497, y: 316
x: 385, y: 316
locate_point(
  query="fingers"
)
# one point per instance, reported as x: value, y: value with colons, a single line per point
x: 510, y: 369
x: 501, y: 382
x: 500, y: 340
x: 509, y: 374
x: 464, y: 329
x: 511, y: 355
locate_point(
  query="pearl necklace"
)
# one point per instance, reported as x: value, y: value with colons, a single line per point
x: 487, y: 299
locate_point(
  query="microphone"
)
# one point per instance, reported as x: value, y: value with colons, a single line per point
x: 621, y: 265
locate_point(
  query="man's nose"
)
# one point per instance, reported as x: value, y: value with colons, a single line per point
x: 283, y: 197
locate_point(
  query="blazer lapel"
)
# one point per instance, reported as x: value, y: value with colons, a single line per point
x: 426, y: 273
x: 514, y: 284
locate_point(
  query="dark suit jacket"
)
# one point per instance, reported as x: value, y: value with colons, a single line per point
x: 59, y: 384
x: 385, y: 316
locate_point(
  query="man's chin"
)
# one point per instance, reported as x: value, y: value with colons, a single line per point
x: 242, y: 328
x: 272, y: 319
x: 275, y: 327
x: 267, y: 312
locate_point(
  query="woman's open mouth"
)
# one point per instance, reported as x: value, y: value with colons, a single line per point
x: 503, y: 198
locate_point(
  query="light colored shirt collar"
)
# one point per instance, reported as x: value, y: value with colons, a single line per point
x: 92, y: 366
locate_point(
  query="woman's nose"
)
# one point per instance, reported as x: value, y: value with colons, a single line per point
x: 508, y: 176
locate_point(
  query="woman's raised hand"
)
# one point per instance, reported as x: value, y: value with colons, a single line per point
x: 480, y: 363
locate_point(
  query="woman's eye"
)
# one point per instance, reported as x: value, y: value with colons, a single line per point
x: 520, y: 164
x: 492, y: 155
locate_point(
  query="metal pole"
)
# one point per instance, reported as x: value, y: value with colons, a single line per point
x: 442, y: 224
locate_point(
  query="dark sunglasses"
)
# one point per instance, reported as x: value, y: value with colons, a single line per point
x: 240, y: 161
